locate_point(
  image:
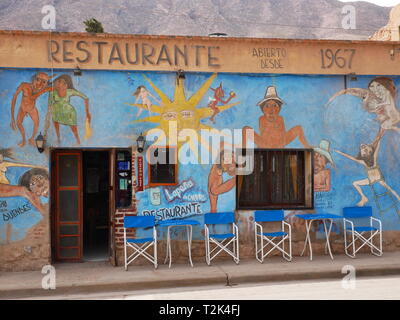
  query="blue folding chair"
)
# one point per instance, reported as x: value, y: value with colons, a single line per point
x: 140, y: 245
x: 357, y: 232
x: 222, y: 240
x: 270, y: 237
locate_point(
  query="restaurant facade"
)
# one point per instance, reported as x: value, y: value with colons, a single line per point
x: 316, y: 120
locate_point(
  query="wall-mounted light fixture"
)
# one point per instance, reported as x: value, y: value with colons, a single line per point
x: 40, y: 142
x: 141, y: 142
x: 180, y: 74
x: 218, y: 34
x: 77, y: 72
x: 392, y: 52
x: 353, y: 76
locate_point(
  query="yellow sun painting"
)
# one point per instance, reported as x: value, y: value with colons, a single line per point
x: 182, y: 110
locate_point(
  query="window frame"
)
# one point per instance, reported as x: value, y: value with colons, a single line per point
x: 151, y: 185
x: 279, y: 206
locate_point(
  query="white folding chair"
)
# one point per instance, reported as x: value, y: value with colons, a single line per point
x: 221, y: 241
x: 361, y: 232
x: 274, y: 239
x: 140, y: 246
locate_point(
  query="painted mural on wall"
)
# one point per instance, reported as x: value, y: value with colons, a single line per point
x: 216, y: 184
x: 322, y: 173
x: 144, y: 95
x: 354, y: 133
x: 60, y: 110
x: 218, y: 98
x: 380, y: 100
x: 272, y: 126
x: 23, y: 196
x: 30, y: 92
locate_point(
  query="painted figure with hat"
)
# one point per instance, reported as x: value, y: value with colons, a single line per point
x: 322, y: 175
x: 272, y: 126
x: 30, y: 92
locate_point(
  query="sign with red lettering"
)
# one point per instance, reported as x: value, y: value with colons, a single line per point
x: 139, y: 186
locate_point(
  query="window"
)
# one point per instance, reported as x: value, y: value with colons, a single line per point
x: 123, y: 179
x: 163, y: 168
x: 281, y: 179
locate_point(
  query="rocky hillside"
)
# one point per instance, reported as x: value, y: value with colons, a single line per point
x: 243, y: 18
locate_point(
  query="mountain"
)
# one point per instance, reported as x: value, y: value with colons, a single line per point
x: 240, y: 18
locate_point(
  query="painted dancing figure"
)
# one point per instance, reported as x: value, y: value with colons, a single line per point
x: 368, y: 157
x: 218, y: 98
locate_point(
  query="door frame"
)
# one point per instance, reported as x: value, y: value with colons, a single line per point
x: 53, y: 201
x: 54, y: 213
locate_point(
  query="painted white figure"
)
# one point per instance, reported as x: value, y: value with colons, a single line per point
x: 368, y: 157
x: 143, y: 94
x: 380, y: 99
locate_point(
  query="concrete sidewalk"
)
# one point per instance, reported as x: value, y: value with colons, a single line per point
x: 97, y: 277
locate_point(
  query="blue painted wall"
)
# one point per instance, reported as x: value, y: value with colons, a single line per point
x: 343, y: 122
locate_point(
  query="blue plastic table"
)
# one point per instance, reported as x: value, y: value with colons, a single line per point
x: 309, y: 218
x: 189, y: 231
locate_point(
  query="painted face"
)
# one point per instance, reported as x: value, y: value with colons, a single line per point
x: 271, y: 109
x: 228, y: 163
x: 187, y: 114
x: 170, y: 115
x: 319, y: 161
x: 60, y: 84
x: 219, y: 92
x: 39, y: 83
x: 187, y: 120
x: 365, y: 150
x: 39, y: 185
x: 379, y: 90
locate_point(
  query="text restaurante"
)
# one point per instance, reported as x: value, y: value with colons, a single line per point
x: 104, y: 52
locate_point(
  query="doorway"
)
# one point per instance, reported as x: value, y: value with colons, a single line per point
x: 96, y: 186
x: 82, y: 202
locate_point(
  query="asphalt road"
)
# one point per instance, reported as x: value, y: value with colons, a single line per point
x: 378, y: 288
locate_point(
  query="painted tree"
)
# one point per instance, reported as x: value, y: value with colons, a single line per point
x: 93, y: 26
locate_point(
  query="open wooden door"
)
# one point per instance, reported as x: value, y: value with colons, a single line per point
x: 68, y: 197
